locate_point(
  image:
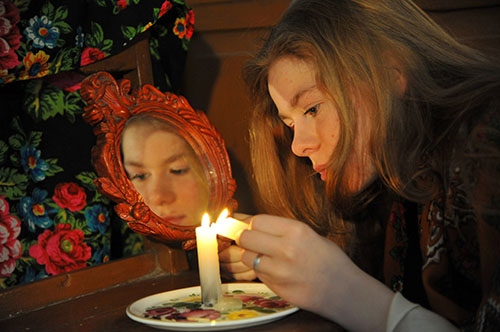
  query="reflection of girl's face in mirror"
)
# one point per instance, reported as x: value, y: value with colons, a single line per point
x: 165, y: 171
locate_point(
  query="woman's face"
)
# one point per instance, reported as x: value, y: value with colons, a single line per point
x: 314, y: 120
x: 164, y: 170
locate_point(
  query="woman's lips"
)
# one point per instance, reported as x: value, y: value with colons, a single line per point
x: 321, y: 170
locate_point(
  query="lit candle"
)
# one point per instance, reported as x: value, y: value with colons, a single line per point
x: 208, y: 262
x: 229, y: 227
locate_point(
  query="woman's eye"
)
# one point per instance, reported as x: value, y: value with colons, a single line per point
x: 139, y: 177
x: 312, y: 111
x: 179, y: 171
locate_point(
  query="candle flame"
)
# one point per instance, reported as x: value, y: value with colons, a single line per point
x: 205, y: 221
x: 223, y: 215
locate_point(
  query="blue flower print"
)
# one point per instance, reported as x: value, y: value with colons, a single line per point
x: 31, y: 275
x: 34, y: 212
x: 31, y: 161
x: 97, y: 218
x: 80, y: 37
x: 101, y: 255
x: 41, y: 32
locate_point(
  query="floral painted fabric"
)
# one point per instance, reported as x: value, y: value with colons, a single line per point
x: 445, y: 254
x: 52, y: 219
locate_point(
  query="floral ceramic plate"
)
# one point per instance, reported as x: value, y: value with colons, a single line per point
x: 181, y: 309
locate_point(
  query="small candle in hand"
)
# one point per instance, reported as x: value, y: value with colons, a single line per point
x: 229, y: 227
x: 208, y: 262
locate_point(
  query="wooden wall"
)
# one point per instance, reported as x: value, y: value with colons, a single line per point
x: 228, y: 32
x: 473, y: 22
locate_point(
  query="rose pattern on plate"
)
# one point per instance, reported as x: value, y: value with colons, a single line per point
x: 189, y: 309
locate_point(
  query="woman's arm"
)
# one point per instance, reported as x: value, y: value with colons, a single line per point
x: 315, y: 274
x: 405, y: 316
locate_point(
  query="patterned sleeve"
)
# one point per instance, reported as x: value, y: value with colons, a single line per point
x: 485, y: 188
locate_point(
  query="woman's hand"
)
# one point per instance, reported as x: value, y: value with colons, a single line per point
x: 295, y: 262
x: 230, y: 262
x: 230, y: 258
x: 313, y: 273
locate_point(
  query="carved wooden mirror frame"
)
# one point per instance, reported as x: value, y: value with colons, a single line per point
x: 109, y: 105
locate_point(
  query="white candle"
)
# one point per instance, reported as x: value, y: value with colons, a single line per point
x: 208, y: 262
x: 229, y: 227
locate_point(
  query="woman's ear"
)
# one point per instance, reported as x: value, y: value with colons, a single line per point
x: 400, y: 80
x: 397, y: 73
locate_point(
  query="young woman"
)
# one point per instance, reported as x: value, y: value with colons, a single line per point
x: 379, y: 133
x: 165, y: 170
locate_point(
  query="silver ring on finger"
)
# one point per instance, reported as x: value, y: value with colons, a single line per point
x: 256, y: 261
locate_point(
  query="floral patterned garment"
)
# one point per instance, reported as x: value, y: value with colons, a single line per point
x: 52, y: 219
x: 456, y: 269
x: 45, y: 37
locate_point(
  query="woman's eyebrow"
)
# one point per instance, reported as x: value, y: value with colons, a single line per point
x: 174, y: 157
x: 133, y: 163
x: 295, y: 100
x: 170, y: 159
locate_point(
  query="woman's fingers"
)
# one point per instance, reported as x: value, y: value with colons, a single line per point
x: 248, y: 275
x: 231, y: 254
x: 236, y: 267
x: 258, y: 241
x: 274, y: 236
x: 270, y: 224
x: 242, y: 216
x: 254, y: 261
x: 230, y: 262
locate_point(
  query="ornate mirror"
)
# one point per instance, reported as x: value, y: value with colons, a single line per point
x: 146, y: 124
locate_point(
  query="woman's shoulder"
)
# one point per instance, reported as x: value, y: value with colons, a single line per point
x: 475, y: 163
x: 480, y: 130
x: 484, y: 134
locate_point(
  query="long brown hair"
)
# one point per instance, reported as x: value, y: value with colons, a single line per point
x: 349, y: 42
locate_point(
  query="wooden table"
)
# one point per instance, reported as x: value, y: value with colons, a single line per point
x: 95, y: 299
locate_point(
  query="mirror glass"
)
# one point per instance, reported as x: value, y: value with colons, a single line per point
x: 165, y: 171
x: 160, y: 160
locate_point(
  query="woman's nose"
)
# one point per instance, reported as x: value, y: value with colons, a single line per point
x: 304, y: 141
x: 162, y: 192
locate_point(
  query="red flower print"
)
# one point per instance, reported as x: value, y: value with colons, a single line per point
x: 268, y: 303
x: 70, y: 196
x: 10, y: 246
x: 200, y: 313
x: 121, y: 4
x: 165, y: 8
x: 160, y: 311
x: 67, y: 80
x: 10, y: 38
x: 247, y: 298
x: 189, y: 24
x: 91, y: 55
x: 61, y: 250
x: 184, y: 26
